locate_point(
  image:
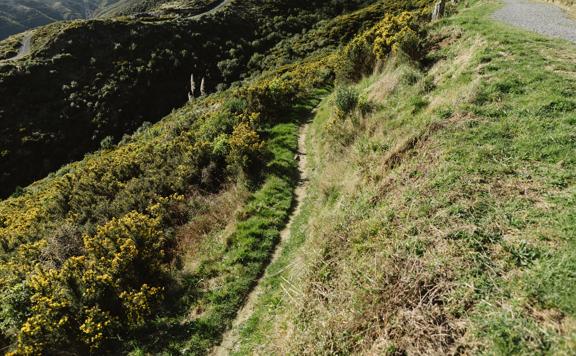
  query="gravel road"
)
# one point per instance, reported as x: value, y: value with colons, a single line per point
x: 546, y: 19
x: 25, y: 48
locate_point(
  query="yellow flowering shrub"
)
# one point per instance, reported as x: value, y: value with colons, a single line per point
x: 92, y: 295
x: 138, y: 303
x: 390, y: 34
x: 245, y: 139
x: 245, y: 142
x: 272, y: 96
x: 95, y: 326
x: 393, y: 34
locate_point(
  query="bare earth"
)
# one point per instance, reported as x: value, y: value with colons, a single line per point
x: 546, y: 19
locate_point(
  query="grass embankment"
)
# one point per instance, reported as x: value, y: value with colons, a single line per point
x: 444, y: 221
x: 569, y: 4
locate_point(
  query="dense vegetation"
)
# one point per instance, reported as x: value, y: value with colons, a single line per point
x: 152, y: 244
x: 95, y: 80
x: 20, y: 15
x: 158, y: 7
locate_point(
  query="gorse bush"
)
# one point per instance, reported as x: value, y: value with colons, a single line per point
x: 272, y: 97
x: 245, y: 143
x: 93, y: 295
x: 393, y: 35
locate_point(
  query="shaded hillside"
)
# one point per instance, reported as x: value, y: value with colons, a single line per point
x: 20, y: 15
x: 90, y: 80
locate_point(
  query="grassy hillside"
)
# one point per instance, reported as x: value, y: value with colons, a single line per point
x: 440, y: 208
x: 443, y: 221
x: 93, y: 80
x: 152, y: 244
x: 20, y: 15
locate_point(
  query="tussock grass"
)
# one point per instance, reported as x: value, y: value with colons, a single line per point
x: 444, y: 221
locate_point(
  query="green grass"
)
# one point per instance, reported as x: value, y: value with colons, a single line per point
x: 255, y: 330
x: 444, y: 222
x: 236, y: 268
x: 528, y: 137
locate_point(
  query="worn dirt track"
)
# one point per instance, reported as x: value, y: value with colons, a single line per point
x: 231, y: 337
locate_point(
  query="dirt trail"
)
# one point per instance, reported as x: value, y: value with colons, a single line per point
x: 213, y: 10
x: 231, y: 337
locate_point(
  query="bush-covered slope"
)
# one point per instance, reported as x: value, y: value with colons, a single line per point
x: 151, y: 245
x: 88, y: 80
x: 20, y: 15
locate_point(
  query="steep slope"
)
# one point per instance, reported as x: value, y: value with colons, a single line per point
x: 20, y: 15
x: 441, y: 220
x: 440, y: 209
x: 151, y: 245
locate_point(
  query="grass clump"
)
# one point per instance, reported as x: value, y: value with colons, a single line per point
x: 346, y: 100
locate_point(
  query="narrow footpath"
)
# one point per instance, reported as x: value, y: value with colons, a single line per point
x: 231, y: 337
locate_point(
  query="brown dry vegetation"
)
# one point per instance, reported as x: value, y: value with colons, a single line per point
x: 213, y: 220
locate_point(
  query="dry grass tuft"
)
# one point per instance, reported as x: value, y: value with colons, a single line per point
x: 212, y: 214
x: 385, y: 85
